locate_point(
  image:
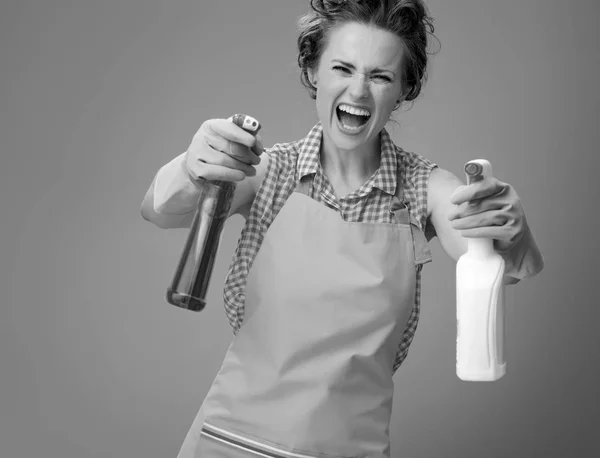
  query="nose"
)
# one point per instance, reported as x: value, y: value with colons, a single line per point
x: 359, y: 86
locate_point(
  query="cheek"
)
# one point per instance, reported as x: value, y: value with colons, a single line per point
x: 385, y: 101
x: 326, y: 96
x: 324, y: 111
x: 385, y: 106
x: 329, y: 87
x: 322, y: 105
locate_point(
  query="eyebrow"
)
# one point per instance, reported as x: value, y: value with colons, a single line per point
x: 375, y: 70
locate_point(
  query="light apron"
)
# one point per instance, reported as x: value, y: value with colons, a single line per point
x: 309, y: 373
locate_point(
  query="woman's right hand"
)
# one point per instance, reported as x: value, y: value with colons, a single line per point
x: 221, y: 150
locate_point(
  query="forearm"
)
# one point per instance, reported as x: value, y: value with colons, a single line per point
x: 522, y: 260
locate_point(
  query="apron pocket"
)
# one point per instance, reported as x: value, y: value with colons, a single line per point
x: 209, y: 447
x: 217, y: 443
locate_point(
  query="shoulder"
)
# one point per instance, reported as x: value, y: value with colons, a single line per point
x: 414, y: 168
x: 433, y: 186
x: 413, y: 176
x: 275, y: 164
x: 276, y: 168
x: 435, y: 182
x: 412, y: 159
x: 283, y: 157
x: 414, y: 172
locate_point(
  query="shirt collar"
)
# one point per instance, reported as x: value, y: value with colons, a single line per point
x: 386, y: 176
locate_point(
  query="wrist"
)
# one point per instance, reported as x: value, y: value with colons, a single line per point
x: 522, y: 258
x: 189, y: 176
x: 174, y: 192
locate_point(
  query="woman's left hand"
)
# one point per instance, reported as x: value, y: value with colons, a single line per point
x: 489, y: 209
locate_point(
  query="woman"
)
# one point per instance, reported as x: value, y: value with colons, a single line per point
x: 323, y: 292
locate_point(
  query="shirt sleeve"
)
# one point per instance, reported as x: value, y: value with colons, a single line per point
x: 174, y: 193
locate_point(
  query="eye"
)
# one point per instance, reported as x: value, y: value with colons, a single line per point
x: 382, y: 78
x: 341, y: 69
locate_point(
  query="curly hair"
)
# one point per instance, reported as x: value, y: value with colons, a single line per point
x: 408, y: 19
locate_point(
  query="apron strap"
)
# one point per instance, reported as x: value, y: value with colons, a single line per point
x: 303, y: 186
x: 403, y: 215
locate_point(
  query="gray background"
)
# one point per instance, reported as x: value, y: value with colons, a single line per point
x: 96, y: 95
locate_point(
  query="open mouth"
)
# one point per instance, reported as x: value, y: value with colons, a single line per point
x: 352, y: 118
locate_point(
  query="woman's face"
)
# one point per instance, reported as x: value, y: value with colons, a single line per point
x: 358, y: 82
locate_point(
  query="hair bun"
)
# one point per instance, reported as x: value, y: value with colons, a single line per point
x: 328, y: 6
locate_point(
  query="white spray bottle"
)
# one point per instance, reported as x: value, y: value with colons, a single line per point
x: 480, y: 307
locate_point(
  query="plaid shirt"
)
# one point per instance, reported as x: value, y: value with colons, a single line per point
x: 289, y: 163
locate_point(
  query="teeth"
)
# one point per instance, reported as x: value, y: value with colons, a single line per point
x: 354, y: 111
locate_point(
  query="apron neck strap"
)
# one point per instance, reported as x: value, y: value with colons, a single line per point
x: 398, y: 207
x: 303, y: 185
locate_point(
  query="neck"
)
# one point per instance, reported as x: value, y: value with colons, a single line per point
x: 350, y: 168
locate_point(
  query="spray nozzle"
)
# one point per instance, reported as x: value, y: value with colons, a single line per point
x: 477, y: 170
x: 248, y: 123
x: 473, y: 168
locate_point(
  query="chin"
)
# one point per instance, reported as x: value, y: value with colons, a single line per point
x: 344, y: 141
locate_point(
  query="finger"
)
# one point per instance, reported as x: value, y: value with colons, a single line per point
x: 492, y: 232
x: 482, y: 189
x: 212, y: 156
x: 230, y: 131
x: 233, y: 149
x: 258, y: 147
x: 212, y: 172
x: 488, y: 188
x: 474, y: 207
x: 485, y: 219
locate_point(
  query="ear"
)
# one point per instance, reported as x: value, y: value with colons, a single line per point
x: 402, y: 95
x: 400, y: 100
x: 312, y: 76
